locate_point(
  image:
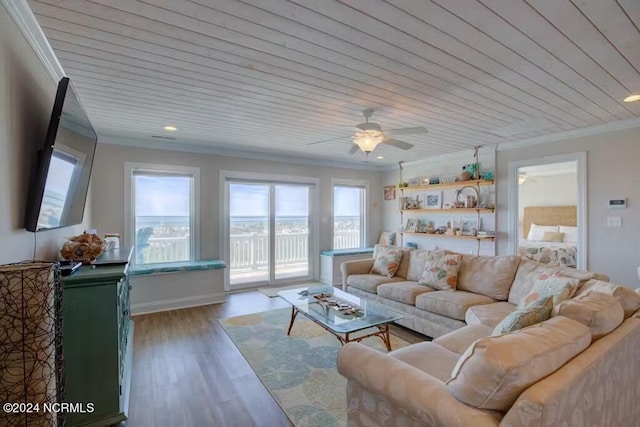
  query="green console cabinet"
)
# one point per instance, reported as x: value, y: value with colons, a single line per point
x: 98, y: 342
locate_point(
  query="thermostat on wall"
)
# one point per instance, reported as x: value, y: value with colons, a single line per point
x: 617, y: 203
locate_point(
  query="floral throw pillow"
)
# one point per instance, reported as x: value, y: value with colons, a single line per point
x: 536, y: 312
x: 559, y: 287
x: 386, y: 262
x: 441, y: 271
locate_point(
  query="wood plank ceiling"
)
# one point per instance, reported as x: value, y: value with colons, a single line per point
x: 275, y: 75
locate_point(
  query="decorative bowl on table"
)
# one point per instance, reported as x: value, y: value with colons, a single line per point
x: 84, y: 247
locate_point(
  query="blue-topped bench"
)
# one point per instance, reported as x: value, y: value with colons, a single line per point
x: 173, y: 285
x: 330, y: 262
x: 175, y: 267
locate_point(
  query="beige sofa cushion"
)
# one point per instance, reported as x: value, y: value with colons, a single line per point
x: 529, y: 271
x: 488, y: 275
x: 489, y: 314
x: 493, y: 371
x: 452, y: 304
x: 370, y: 282
x: 601, y: 313
x: 431, y: 358
x: 417, y: 260
x: 459, y: 340
x: 405, y: 292
x: 629, y: 299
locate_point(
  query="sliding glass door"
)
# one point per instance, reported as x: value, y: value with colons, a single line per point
x: 269, y: 228
x: 292, y: 231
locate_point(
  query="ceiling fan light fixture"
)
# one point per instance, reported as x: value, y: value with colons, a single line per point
x: 368, y: 140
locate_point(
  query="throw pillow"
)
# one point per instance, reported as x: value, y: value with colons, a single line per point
x: 441, y: 271
x: 536, y: 312
x: 386, y: 237
x: 559, y: 287
x: 386, y: 262
x: 551, y: 236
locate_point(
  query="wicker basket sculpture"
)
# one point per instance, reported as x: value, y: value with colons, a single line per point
x: 85, y: 247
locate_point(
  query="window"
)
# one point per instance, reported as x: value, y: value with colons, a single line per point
x: 162, y: 220
x: 349, y: 222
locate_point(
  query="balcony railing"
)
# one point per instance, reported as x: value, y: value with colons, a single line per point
x: 248, y: 251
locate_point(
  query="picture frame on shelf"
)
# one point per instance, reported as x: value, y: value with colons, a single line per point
x: 411, y: 225
x: 468, y: 227
x: 390, y: 192
x: 433, y: 200
x: 414, y: 182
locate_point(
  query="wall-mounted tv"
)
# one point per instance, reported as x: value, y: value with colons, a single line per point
x: 60, y: 178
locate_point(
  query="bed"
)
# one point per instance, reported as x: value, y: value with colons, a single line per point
x: 537, y: 221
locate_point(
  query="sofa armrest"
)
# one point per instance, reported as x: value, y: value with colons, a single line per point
x: 602, y: 277
x: 424, y: 397
x: 360, y: 266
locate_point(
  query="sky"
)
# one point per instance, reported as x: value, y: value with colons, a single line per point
x: 169, y: 196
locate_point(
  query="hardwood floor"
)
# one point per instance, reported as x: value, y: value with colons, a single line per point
x: 187, y: 372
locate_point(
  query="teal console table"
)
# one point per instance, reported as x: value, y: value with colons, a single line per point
x: 98, y: 342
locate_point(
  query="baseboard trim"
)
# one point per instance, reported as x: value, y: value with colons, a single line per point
x: 176, y: 303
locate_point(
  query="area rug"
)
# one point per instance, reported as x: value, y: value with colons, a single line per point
x: 298, y: 370
x: 273, y: 292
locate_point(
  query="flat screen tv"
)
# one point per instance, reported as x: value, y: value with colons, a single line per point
x: 60, y: 178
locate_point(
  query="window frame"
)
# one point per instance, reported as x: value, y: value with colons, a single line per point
x: 364, y: 213
x: 129, y: 203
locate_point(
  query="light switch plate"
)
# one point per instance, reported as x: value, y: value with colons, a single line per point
x: 614, y: 221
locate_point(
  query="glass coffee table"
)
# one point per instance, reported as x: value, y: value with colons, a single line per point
x: 323, y: 304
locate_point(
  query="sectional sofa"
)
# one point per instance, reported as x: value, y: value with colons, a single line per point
x: 578, y: 368
x: 488, y: 289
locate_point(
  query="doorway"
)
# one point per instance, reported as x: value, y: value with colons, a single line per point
x: 547, y: 209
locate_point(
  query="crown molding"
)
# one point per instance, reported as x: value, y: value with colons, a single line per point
x: 26, y: 22
x: 571, y: 134
x: 227, y: 152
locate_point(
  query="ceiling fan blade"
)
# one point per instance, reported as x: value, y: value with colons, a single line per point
x: 406, y: 131
x: 399, y: 144
x: 354, y: 149
x: 328, y: 140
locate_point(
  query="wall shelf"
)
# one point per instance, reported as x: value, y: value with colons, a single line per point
x: 474, y: 210
x: 459, y: 184
x: 442, y: 236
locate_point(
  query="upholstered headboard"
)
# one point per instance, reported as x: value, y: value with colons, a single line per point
x: 548, y: 215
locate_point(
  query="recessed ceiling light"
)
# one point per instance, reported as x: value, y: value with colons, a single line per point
x: 380, y: 157
x: 170, y: 128
x: 632, y: 98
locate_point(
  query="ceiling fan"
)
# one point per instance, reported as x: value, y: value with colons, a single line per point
x: 370, y: 134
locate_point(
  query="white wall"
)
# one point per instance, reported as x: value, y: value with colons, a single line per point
x: 548, y: 190
x: 612, y: 165
x: 450, y: 165
x: 26, y: 97
x: 108, y: 189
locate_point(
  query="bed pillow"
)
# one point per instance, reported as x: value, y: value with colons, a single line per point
x: 536, y: 232
x: 570, y: 233
x: 552, y: 236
